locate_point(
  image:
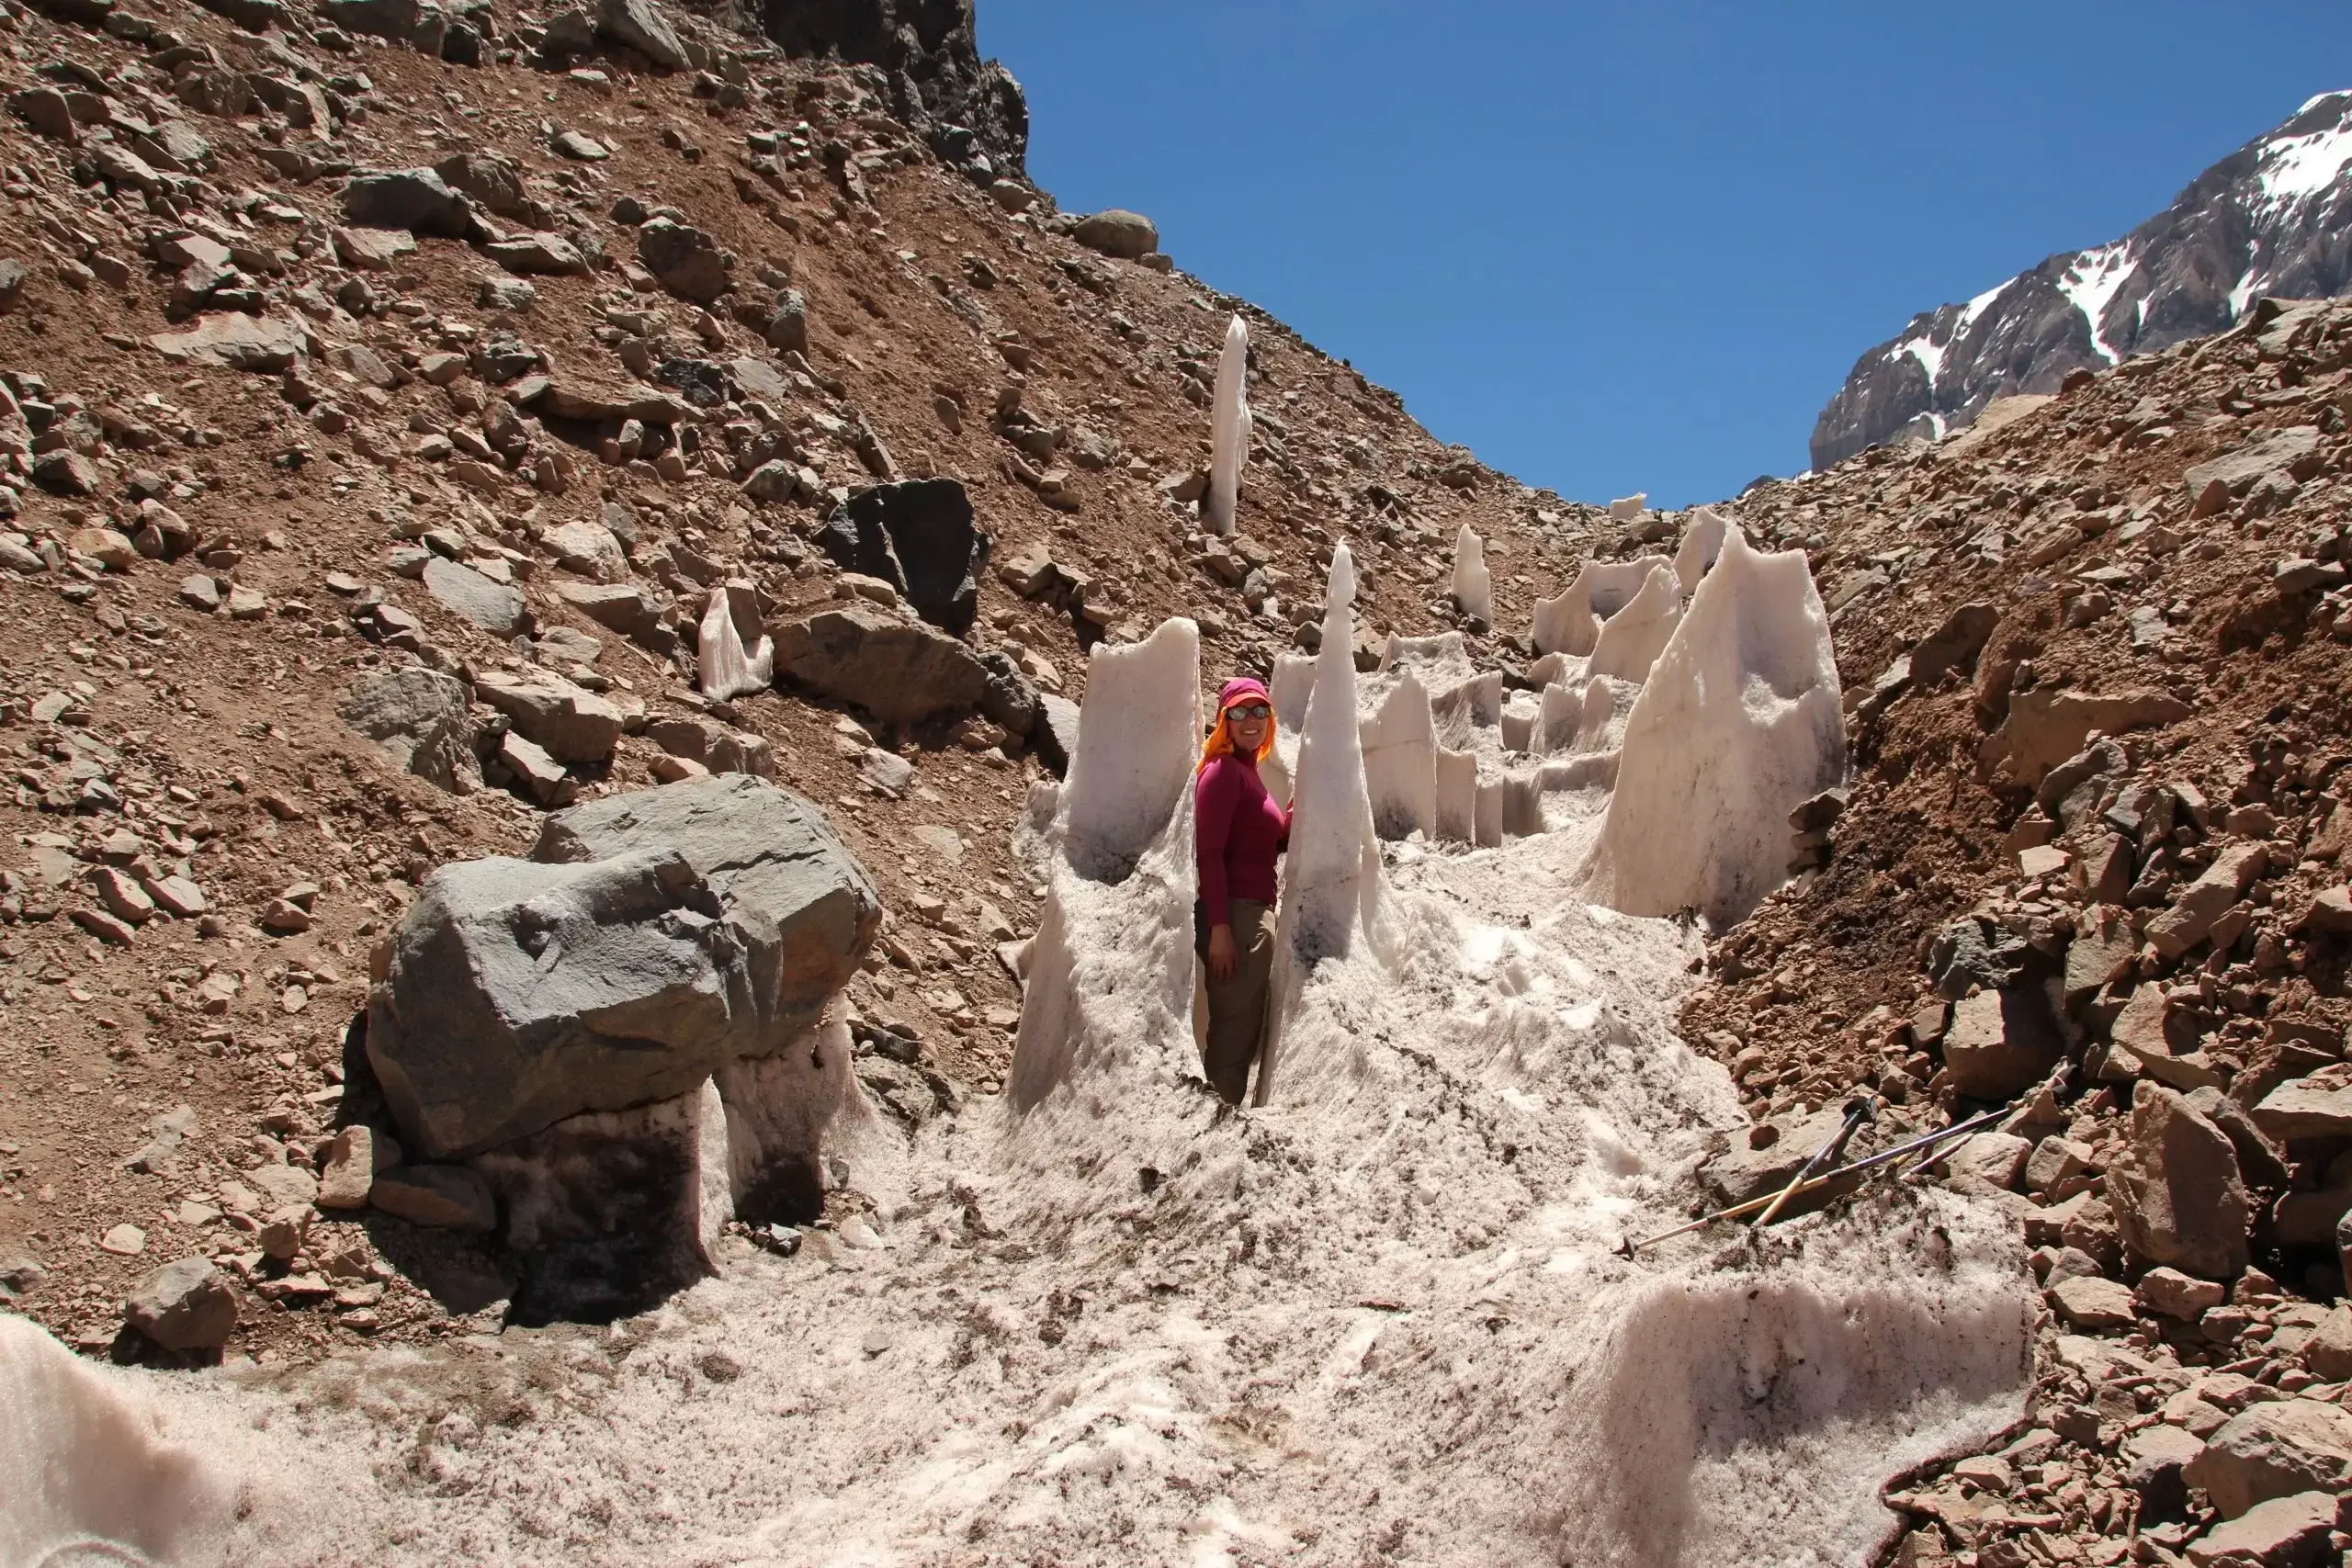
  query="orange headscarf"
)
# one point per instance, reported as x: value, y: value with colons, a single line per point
x: 1220, y: 740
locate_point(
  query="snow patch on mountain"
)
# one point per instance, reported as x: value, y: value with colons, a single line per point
x: 2092, y: 281
x: 2305, y: 165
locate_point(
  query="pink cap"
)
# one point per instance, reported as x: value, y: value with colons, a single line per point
x: 1241, y: 686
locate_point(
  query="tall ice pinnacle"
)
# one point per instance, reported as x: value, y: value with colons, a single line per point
x: 1474, y: 586
x: 1331, y: 884
x: 727, y: 668
x: 1228, y: 428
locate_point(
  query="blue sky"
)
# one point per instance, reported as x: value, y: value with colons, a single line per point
x: 1636, y: 246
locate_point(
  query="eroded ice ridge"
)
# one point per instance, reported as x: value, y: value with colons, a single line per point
x: 1104, y: 1319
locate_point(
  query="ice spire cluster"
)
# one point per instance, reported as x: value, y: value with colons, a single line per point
x: 1228, y: 428
x: 1738, y: 720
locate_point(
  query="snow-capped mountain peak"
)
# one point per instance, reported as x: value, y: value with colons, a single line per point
x: 2274, y: 218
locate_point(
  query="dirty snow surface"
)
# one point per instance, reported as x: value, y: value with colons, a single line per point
x: 1102, y: 1318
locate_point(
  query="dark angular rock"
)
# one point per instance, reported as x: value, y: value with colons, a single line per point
x: 919, y: 537
x: 702, y: 383
x: 419, y: 200
x: 687, y: 260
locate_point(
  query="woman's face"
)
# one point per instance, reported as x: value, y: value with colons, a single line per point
x: 1246, y: 720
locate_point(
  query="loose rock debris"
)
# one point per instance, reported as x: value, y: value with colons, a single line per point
x: 290, y: 446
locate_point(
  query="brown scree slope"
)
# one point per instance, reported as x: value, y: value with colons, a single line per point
x: 155, y: 725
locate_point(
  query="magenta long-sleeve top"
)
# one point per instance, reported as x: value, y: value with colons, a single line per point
x: 1239, y: 829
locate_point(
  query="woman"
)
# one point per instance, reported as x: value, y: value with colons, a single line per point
x: 1239, y: 830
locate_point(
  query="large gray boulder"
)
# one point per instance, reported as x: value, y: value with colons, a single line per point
x: 422, y: 720
x: 653, y: 939
x: 2176, y: 1191
x: 917, y: 535
x: 1117, y: 232
x: 896, y: 668
x: 640, y: 25
x: 771, y: 857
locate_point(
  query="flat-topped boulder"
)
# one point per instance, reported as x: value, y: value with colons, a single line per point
x: 652, y: 940
x: 894, y: 667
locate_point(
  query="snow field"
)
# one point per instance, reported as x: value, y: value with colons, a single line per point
x: 1105, y: 1319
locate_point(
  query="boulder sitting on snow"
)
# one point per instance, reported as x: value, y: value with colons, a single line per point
x: 186, y: 1305
x: 653, y: 939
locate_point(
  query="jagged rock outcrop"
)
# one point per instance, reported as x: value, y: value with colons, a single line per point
x: 972, y: 110
x: 2274, y: 218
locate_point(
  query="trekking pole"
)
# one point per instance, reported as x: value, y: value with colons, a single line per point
x: 1856, y: 1112
x: 1629, y: 1246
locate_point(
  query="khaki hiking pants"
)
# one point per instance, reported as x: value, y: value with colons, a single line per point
x: 1238, y: 1006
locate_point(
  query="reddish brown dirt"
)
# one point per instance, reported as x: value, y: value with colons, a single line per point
x: 220, y: 736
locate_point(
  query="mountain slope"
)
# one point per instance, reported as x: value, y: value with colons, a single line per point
x: 2274, y: 218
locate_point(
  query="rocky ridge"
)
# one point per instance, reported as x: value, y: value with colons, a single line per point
x: 2090, y: 867
x: 2270, y: 219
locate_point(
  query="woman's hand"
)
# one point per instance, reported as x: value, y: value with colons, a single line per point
x: 1223, y: 955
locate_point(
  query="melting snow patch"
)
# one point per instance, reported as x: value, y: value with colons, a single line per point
x: 2091, y: 281
x: 2241, y: 293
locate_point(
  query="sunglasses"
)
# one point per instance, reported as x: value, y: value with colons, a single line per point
x: 1248, y: 710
